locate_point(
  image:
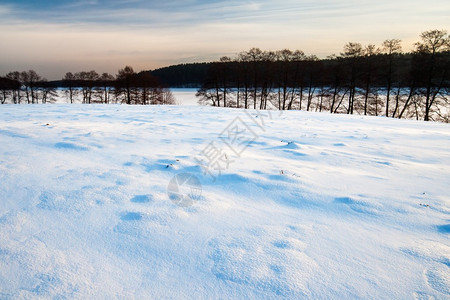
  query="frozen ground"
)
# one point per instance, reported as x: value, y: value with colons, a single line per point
x: 185, y: 96
x: 317, y: 206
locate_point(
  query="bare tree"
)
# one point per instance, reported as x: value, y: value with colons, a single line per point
x: 168, y: 97
x: 6, y: 87
x: 225, y: 70
x: 47, y: 91
x: 105, y: 82
x: 370, y: 55
x: 16, y: 94
x: 208, y: 96
x: 243, y: 69
x: 352, y: 52
x: 70, y: 85
x: 255, y: 56
x: 431, y: 47
x: 30, y: 79
x: 288, y: 70
x: 87, y: 80
x: 124, y: 81
x: 81, y: 78
x: 391, y: 48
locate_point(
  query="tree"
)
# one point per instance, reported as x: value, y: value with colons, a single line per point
x: 147, y: 89
x: 335, y: 73
x: 288, y: 75
x: 6, y: 87
x: 16, y: 94
x: 87, y: 80
x: 409, y: 80
x: 267, y: 78
x: 370, y: 56
x: 207, y: 95
x: 105, y: 87
x: 224, y: 74
x: 124, y: 80
x: 47, y: 91
x: 243, y: 69
x: 70, y: 85
x: 391, y: 48
x: 216, y: 86
x: 167, y: 97
x: 352, y: 53
x: 30, y: 79
x: 312, y: 72
x: 433, y: 55
x: 254, y: 57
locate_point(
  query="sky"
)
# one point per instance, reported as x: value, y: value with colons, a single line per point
x: 55, y: 37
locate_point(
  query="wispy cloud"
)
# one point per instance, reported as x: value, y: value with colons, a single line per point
x: 105, y: 35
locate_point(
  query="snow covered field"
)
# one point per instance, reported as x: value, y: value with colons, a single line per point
x: 185, y: 96
x: 303, y: 205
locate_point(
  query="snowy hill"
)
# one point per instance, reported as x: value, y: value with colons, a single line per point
x: 204, y: 203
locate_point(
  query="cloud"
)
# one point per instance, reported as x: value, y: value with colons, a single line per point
x: 106, y: 35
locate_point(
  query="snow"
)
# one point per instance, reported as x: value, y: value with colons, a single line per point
x: 185, y: 96
x: 307, y: 205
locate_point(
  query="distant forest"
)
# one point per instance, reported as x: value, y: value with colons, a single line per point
x: 363, y: 79
x: 184, y: 76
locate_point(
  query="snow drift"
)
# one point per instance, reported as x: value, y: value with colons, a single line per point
x: 292, y: 205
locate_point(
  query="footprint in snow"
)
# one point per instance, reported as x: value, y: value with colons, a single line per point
x: 439, y: 279
x: 279, y: 270
x: 141, y: 199
x: 444, y: 228
x: 282, y: 244
x: 131, y: 216
x: 357, y: 205
x: 422, y: 296
x: 69, y: 146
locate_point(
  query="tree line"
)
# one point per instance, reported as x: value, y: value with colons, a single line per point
x: 86, y: 87
x: 366, y: 80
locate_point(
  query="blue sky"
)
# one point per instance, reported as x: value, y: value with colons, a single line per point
x: 54, y: 37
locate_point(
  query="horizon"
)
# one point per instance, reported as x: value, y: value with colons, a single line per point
x: 71, y: 36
